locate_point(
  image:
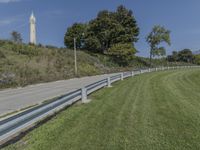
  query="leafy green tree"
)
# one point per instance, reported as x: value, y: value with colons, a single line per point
x: 16, y: 37
x: 127, y: 30
x: 104, y: 31
x: 197, y: 59
x: 102, y: 28
x: 157, y: 36
x: 111, y: 28
x: 92, y: 44
x: 173, y: 57
x: 186, y: 55
x: 76, y: 31
x: 122, y: 53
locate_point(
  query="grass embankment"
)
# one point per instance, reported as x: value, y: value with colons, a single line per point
x: 152, y: 111
x: 21, y: 64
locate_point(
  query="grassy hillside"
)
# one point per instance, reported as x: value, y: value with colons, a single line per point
x: 152, y: 111
x: 21, y: 64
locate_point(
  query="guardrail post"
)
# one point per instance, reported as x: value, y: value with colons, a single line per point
x: 122, y: 76
x: 149, y: 69
x: 141, y: 71
x: 84, y: 95
x: 132, y: 73
x: 108, y: 82
x: 156, y: 69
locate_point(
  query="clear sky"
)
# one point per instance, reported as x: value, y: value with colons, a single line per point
x: 182, y: 17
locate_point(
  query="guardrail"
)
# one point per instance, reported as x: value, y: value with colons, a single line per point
x: 13, y: 125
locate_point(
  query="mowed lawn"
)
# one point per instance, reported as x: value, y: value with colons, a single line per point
x: 155, y: 111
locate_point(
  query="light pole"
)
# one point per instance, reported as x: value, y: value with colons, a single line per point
x: 75, y: 57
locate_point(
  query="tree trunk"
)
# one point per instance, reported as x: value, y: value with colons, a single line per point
x: 150, y: 59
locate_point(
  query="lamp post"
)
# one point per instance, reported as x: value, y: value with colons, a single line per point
x: 75, y: 57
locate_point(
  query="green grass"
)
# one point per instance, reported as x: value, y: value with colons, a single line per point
x: 149, y: 112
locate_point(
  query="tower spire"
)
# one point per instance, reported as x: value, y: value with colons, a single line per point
x: 32, y: 28
x: 32, y: 14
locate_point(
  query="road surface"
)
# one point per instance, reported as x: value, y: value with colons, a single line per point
x: 16, y: 99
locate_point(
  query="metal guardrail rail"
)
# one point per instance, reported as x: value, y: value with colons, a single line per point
x: 15, y: 124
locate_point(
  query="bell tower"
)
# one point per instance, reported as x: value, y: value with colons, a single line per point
x: 32, y: 29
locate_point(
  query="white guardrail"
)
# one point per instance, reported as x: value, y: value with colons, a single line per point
x: 12, y: 126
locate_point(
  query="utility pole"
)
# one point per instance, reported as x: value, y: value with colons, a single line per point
x: 75, y: 57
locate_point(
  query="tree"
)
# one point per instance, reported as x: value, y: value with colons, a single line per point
x: 157, y: 36
x: 92, y: 44
x: 173, y: 57
x: 122, y: 53
x: 128, y: 29
x: 111, y: 28
x: 16, y: 37
x: 104, y: 31
x: 76, y: 31
x: 101, y: 28
x: 197, y: 59
x: 186, y: 55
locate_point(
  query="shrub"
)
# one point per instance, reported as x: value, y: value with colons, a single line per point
x: 122, y: 53
x: 2, y: 54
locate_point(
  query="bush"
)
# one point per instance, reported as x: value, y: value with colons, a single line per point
x: 122, y: 53
x: 197, y: 59
x: 29, y: 50
x: 2, y: 54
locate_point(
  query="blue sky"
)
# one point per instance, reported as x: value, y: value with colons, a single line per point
x: 182, y: 17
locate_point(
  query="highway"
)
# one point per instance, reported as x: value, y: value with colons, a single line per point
x: 16, y: 99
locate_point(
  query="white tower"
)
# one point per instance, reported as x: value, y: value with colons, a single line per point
x: 32, y: 29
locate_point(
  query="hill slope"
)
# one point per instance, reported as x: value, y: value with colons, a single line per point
x: 21, y: 64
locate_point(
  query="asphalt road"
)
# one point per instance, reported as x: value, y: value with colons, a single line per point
x: 16, y: 99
